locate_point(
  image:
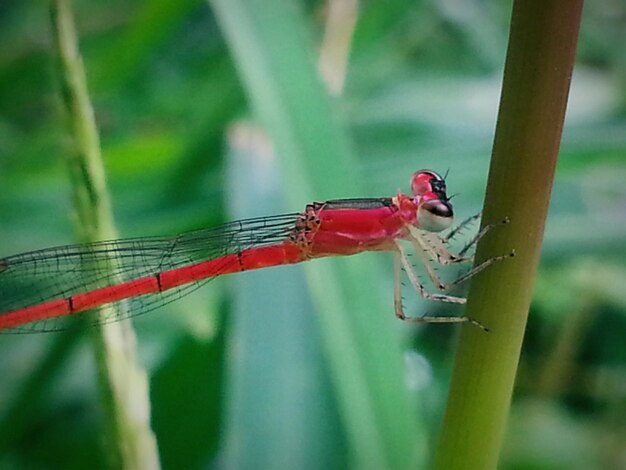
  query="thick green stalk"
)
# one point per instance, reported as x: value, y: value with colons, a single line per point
x: 123, y: 383
x: 537, y: 75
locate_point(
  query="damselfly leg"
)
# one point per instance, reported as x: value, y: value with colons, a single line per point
x: 432, y: 247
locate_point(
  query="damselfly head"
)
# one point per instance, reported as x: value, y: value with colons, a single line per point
x: 434, y: 210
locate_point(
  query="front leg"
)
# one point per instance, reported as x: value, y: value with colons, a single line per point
x: 436, y: 245
x: 474, y: 241
x: 459, y: 228
x: 426, y: 242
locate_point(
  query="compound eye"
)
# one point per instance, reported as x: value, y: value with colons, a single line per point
x: 435, y: 215
x: 424, y: 181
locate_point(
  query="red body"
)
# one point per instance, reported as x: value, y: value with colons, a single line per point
x: 351, y: 231
x: 326, y: 229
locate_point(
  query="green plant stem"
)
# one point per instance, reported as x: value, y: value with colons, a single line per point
x: 537, y: 75
x: 123, y: 383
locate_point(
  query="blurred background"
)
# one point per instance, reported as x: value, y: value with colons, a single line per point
x: 238, y: 370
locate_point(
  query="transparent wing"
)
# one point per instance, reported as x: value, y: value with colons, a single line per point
x: 58, y: 273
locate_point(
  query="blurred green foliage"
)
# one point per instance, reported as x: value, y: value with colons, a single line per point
x: 421, y: 92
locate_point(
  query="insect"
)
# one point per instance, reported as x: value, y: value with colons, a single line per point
x: 39, y: 287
